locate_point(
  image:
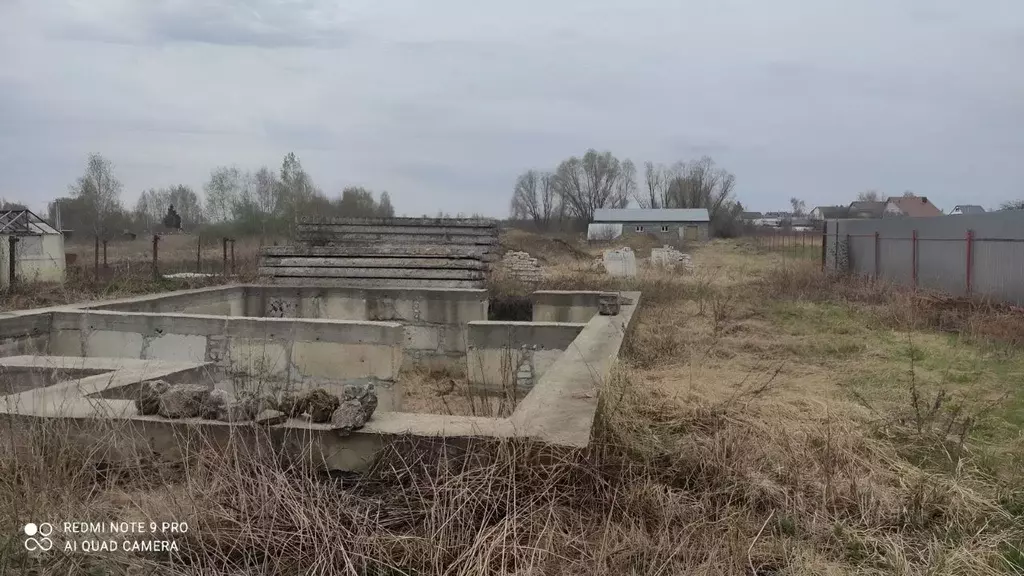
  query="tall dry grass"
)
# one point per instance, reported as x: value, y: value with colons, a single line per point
x: 682, y: 477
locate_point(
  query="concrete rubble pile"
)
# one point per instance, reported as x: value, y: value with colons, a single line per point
x: 669, y: 257
x: 349, y: 412
x: 522, y: 266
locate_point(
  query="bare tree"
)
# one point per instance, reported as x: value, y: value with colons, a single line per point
x: 153, y: 204
x: 1012, y: 205
x: 869, y: 196
x: 100, y: 194
x: 656, y: 179
x: 525, y: 199
x: 598, y: 180
x: 799, y: 206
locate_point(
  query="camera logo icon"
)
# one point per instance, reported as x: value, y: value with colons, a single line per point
x: 38, y: 537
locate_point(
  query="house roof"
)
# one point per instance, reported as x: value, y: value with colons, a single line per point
x: 750, y: 215
x: 832, y: 211
x: 916, y: 206
x: 651, y: 215
x: 867, y: 209
x: 23, y: 222
x: 969, y: 209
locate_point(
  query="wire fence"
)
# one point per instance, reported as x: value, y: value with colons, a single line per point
x: 158, y: 256
x: 789, y: 243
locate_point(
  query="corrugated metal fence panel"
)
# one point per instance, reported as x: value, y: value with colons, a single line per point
x: 896, y: 256
x: 999, y: 271
x: 942, y: 264
x: 997, y: 253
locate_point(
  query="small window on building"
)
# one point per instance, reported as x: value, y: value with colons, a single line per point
x: 664, y: 228
x: 639, y: 228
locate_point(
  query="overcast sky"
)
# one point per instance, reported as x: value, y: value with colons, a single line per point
x: 443, y: 103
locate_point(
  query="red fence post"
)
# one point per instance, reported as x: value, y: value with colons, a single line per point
x: 913, y: 257
x: 877, y: 252
x: 970, y: 258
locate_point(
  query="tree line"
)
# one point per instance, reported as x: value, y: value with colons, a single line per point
x: 579, y: 186
x: 235, y: 202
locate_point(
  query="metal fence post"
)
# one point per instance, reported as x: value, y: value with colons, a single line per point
x: 105, y: 267
x: 970, y: 258
x: 824, y: 244
x: 233, y: 256
x: 913, y: 256
x: 877, y: 253
x: 156, y: 269
x: 96, y: 258
x: 224, y: 245
x: 12, y: 266
x: 199, y: 254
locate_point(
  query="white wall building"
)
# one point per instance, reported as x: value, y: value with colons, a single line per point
x: 38, y: 249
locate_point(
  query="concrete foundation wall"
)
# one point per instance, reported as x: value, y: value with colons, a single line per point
x: 434, y: 321
x: 215, y: 301
x: 24, y: 334
x: 564, y: 305
x: 289, y: 350
x: 503, y: 356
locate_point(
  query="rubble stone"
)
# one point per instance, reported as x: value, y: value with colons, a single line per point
x: 271, y: 417
x: 672, y: 259
x: 522, y: 266
x: 148, y: 402
x: 184, y: 401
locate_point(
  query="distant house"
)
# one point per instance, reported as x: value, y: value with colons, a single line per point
x: 866, y: 209
x: 967, y: 209
x: 801, y: 224
x: 768, y: 221
x: 749, y: 216
x: 911, y: 207
x: 38, y: 248
x: 828, y: 212
x: 671, y: 223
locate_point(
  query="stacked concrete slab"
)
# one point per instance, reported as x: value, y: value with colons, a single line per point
x: 393, y: 252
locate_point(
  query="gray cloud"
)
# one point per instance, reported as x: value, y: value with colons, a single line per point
x: 442, y: 103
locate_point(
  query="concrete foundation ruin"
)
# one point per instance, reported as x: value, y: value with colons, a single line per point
x: 86, y: 363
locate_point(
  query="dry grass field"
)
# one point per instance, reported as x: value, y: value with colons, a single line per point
x: 765, y: 419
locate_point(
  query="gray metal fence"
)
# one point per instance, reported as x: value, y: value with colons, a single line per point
x: 965, y: 255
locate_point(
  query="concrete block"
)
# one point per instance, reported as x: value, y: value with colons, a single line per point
x: 340, y: 361
x: 495, y: 369
x: 423, y: 337
x: 335, y: 306
x: 177, y: 347
x: 620, y: 263
x: 257, y: 357
x: 66, y: 343
x: 111, y: 344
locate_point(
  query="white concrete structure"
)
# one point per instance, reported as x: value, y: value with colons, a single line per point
x: 38, y: 249
x: 621, y: 263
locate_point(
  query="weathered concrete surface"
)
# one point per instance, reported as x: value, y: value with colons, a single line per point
x: 216, y: 300
x: 620, y: 262
x: 498, y: 351
x: 561, y: 408
x: 289, y: 349
x: 564, y: 305
x: 434, y: 320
